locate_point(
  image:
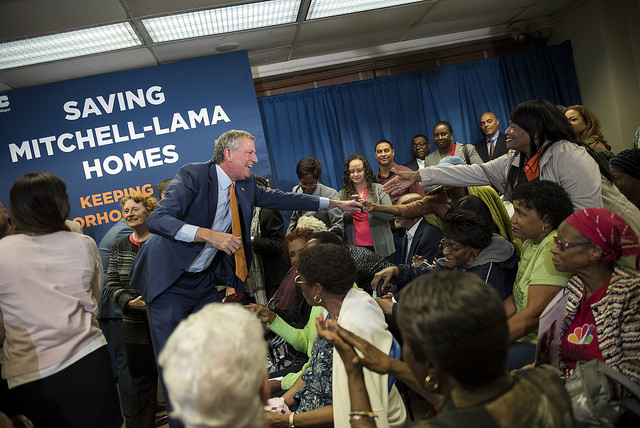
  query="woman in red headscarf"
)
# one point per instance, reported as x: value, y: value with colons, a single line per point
x: 602, y: 316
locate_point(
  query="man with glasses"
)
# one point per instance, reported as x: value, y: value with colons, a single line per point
x: 308, y: 172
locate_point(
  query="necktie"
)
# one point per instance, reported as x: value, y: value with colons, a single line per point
x: 241, y: 261
x: 492, y: 147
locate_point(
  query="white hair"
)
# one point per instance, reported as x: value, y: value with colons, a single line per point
x: 311, y: 222
x: 214, y: 366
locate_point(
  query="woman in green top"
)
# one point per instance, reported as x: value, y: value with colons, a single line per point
x: 539, y: 208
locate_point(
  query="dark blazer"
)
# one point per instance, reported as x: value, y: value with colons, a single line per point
x: 499, y: 149
x: 425, y: 242
x: 412, y: 164
x: 192, y: 198
x: 269, y: 246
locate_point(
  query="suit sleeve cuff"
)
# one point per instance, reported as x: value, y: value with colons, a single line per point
x: 186, y: 233
x: 324, y: 202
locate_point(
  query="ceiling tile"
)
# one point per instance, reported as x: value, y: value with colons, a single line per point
x: 28, y: 18
x: 78, y: 67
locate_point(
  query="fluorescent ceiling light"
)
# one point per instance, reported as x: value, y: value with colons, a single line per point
x: 324, y: 8
x: 222, y: 20
x: 67, y: 45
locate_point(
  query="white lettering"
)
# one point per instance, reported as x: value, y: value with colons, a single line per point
x: 219, y: 114
x: 23, y: 150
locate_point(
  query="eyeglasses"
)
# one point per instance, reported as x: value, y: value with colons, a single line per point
x: 453, y: 247
x: 298, y: 280
x: 307, y: 185
x: 562, y: 245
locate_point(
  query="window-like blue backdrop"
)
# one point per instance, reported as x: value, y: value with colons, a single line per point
x: 334, y: 122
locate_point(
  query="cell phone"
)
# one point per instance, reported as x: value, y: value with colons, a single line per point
x: 272, y: 303
x: 355, y: 196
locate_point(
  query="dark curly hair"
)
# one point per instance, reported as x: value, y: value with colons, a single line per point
x: 329, y: 265
x: 467, y: 228
x: 348, y: 188
x: 471, y: 348
x: 549, y: 200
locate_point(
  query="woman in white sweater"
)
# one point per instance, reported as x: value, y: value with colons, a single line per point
x: 55, y: 359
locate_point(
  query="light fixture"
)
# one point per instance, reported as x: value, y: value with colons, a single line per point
x: 518, y: 31
x: 325, y: 8
x: 222, y: 20
x: 533, y: 28
x: 67, y: 45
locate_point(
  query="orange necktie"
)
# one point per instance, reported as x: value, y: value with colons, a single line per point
x: 241, y: 261
x: 492, y: 147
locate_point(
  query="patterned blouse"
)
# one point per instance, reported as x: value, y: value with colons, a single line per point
x: 317, y: 389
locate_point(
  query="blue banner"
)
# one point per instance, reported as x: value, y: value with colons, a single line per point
x: 117, y: 133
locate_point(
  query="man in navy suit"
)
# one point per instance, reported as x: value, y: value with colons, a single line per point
x: 422, y: 238
x: 494, y: 143
x: 191, y: 248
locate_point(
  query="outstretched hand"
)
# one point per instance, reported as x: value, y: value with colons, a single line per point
x: 350, y: 206
x: 346, y: 343
x: 402, y: 180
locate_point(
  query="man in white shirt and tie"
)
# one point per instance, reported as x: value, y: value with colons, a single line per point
x: 494, y: 143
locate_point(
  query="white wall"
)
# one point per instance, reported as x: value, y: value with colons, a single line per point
x: 605, y: 35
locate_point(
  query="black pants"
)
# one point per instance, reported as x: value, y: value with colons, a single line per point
x: 82, y: 395
x: 144, y: 384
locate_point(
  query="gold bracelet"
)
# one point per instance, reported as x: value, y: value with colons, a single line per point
x: 291, y: 425
x: 358, y: 415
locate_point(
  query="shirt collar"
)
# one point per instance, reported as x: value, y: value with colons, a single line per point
x: 223, y: 179
x: 414, y: 228
x: 493, y: 137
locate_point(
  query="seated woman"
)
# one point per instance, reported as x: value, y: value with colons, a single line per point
x: 326, y: 277
x: 539, y: 208
x: 135, y: 325
x: 456, y: 361
x: 603, y: 294
x: 56, y: 360
x: 468, y: 245
x: 366, y: 230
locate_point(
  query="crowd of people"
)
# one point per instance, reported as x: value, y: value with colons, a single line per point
x: 442, y: 275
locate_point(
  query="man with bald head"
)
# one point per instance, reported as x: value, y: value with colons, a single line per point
x: 494, y: 143
x: 422, y: 238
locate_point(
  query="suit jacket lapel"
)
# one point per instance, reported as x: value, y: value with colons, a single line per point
x: 212, y: 191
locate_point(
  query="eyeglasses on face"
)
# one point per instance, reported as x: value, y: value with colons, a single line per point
x: 453, y: 247
x: 562, y: 245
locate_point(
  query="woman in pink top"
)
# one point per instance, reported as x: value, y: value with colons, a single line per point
x: 366, y: 230
x: 55, y: 359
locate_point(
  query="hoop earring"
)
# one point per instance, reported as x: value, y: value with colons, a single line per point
x: 544, y: 228
x: 426, y: 383
x: 317, y: 299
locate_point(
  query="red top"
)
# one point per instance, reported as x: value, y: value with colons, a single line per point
x: 580, y: 343
x: 361, y: 226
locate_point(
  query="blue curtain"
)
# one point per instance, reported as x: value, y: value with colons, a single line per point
x: 334, y: 122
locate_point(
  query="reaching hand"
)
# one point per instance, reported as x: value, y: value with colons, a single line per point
x: 367, y: 206
x: 402, y: 180
x: 350, y: 206
x: 263, y: 312
x: 386, y: 304
x: 385, y: 275
x: 369, y: 356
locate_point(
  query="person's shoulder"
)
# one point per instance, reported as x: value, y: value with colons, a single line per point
x: 397, y: 167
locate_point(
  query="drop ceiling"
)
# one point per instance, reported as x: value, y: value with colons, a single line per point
x: 296, y: 48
